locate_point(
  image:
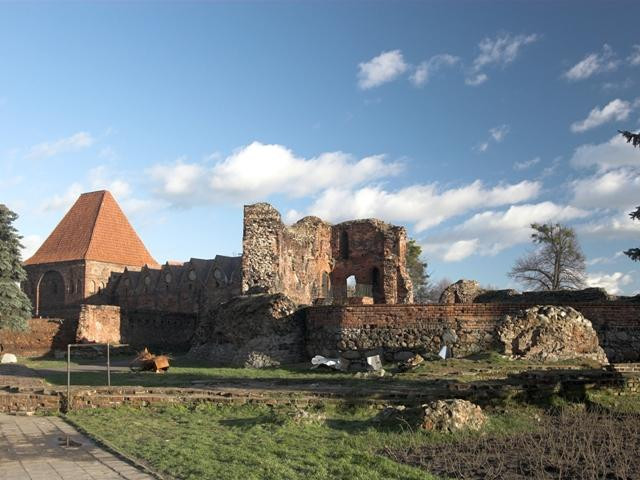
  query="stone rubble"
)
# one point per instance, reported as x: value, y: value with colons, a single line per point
x: 550, y: 334
x: 451, y: 416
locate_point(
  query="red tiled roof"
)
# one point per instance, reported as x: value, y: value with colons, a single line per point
x: 95, y: 228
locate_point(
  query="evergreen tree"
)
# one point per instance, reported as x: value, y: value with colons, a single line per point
x: 417, y: 270
x: 634, y: 139
x: 15, y: 307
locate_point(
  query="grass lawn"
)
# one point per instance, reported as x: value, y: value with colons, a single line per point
x: 184, y: 372
x: 260, y: 442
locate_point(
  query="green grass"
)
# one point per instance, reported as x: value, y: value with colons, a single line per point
x: 259, y: 442
x: 184, y: 372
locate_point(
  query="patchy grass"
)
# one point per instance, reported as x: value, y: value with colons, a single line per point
x: 259, y: 442
x: 184, y: 372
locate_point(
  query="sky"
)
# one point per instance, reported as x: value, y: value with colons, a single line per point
x: 463, y: 121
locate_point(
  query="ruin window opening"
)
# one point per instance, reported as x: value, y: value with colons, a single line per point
x: 344, y: 245
x: 351, y: 285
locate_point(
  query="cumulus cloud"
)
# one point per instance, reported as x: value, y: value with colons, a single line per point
x: 460, y: 250
x: 634, y: 58
x: 381, y: 69
x: 493, y: 231
x: 614, y: 189
x: 425, y: 70
x: 611, y: 226
x: 498, y: 51
x: 608, y: 155
x: 526, y: 164
x: 615, y: 110
x: 75, y: 142
x: 423, y: 205
x: 593, y: 64
x: 611, y: 282
x: 258, y: 170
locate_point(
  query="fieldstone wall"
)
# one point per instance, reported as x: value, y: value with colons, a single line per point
x: 467, y: 328
x: 312, y: 259
x: 253, y: 330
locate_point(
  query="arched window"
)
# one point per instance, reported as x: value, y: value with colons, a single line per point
x: 344, y: 245
x: 92, y: 287
x: 351, y: 286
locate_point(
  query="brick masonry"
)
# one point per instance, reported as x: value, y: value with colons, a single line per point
x: 331, y: 330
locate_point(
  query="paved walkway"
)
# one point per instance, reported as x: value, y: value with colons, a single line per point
x: 34, y: 448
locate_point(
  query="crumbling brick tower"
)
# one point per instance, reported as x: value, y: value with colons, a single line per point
x: 75, y: 262
x: 313, y: 259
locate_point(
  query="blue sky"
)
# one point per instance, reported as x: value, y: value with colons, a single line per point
x: 463, y: 121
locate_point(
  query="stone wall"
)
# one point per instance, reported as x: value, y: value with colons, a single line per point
x: 312, y: 259
x: 468, y: 328
x: 253, y: 330
x: 43, y: 337
x: 99, y: 324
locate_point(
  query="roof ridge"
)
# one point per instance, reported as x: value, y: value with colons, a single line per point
x: 95, y: 221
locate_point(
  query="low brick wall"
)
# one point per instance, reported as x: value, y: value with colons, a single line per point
x: 42, y: 337
x: 331, y: 330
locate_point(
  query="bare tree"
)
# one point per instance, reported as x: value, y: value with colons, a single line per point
x: 557, y: 263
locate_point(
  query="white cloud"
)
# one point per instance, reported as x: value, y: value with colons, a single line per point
x: 75, y: 142
x: 100, y: 178
x: 30, y: 243
x: 477, y: 79
x: 460, y: 250
x: 256, y: 171
x: 634, y: 58
x: 496, y: 134
x: 593, y: 64
x: 494, y: 231
x: 614, y: 226
x: 611, y: 282
x: 612, y: 154
x: 526, y: 164
x: 381, y: 69
x: 616, y: 189
x: 425, y: 70
x: 499, y: 51
x: 617, y: 110
x: 424, y: 205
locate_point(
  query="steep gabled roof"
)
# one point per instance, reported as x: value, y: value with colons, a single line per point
x: 95, y: 228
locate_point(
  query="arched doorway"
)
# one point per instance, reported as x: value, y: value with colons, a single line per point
x: 50, y: 294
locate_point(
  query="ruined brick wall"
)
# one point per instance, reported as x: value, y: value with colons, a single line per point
x: 99, y: 324
x: 279, y: 259
x: 332, y: 330
x: 160, y: 331
x: 187, y: 288
x: 374, y: 252
x: 43, y: 336
x: 313, y: 259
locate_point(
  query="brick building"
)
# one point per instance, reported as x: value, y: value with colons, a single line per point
x: 74, y: 264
